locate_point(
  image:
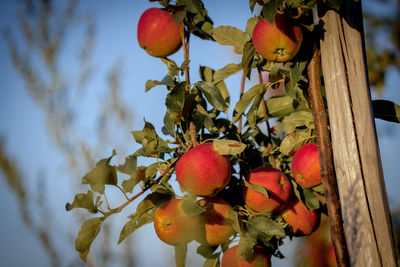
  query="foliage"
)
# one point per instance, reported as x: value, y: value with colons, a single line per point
x: 198, y: 112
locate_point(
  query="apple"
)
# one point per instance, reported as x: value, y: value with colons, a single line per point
x: 302, y: 220
x: 277, y: 42
x: 277, y: 184
x: 331, y: 256
x: 305, y: 166
x: 217, y: 229
x: 259, y: 258
x: 202, y: 171
x: 158, y: 33
x: 173, y: 226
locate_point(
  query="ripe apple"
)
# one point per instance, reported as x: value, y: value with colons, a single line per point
x: 260, y: 258
x: 277, y: 184
x: 302, y: 220
x: 217, y: 229
x: 173, y: 226
x: 202, y: 171
x: 278, y: 42
x: 331, y: 256
x: 158, y: 33
x: 305, y: 166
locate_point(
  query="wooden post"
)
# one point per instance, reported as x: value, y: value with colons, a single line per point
x: 365, y: 210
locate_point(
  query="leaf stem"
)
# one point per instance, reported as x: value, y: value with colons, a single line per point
x: 326, y: 160
x: 122, y: 191
x: 105, y: 198
x: 242, y: 82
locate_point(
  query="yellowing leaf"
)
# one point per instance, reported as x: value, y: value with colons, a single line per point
x: 228, y: 147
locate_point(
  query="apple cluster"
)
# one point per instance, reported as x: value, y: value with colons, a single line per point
x: 204, y: 173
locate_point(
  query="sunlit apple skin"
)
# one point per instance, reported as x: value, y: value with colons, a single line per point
x: 158, y: 33
x: 202, y: 171
x: 216, y: 229
x: 275, y: 181
x: 302, y: 220
x: 278, y: 42
x: 305, y: 166
x: 260, y: 258
x: 173, y: 226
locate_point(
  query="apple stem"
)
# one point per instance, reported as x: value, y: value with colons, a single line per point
x: 242, y: 82
x: 326, y: 160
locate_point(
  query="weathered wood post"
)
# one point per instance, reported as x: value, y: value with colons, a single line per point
x: 365, y: 211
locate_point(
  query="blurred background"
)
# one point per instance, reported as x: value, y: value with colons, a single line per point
x: 72, y: 79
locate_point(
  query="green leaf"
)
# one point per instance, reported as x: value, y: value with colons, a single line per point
x: 311, y: 200
x: 193, y: 6
x: 206, y: 73
x: 175, y: 99
x: 281, y: 106
x: 228, y: 35
x: 247, y: 59
x: 213, y: 262
x: 226, y: 71
x: 129, y: 166
x: 152, y: 144
x: 251, y: 23
x: 269, y: 8
x: 201, y: 117
x: 246, y: 247
x: 228, y: 147
x: 335, y: 4
x: 297, y: 119
x: 136, y: 177
x: 213, y: 95
x: 258, y: 188
x: 207, y: 251
x: 101, y: 175
x: 253, y: 113
x: 86, y: 235
x: 386, y: 110
x: 84, y: 201
x: 191, y: 207
x: 180, y: 255
x: 246, y: 100
x: 293, y: 141
x: 266, y: 226
x: 128, y: 229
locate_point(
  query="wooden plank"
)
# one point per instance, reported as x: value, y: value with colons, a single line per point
x: 357, y: 221
x: 352, y: 44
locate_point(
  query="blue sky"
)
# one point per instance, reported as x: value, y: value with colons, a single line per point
x: 23, y: 122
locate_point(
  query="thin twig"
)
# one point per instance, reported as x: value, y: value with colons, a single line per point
x: 264, y: 106
x: 147, y: 187
x: 185, y: 44
x: 326, y: 160
x: 242, y: 81
x: 192, y: 132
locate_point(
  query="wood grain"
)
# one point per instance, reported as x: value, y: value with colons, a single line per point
x: 353, y: 148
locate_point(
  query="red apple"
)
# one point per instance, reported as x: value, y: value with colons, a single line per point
x: 305, y: 166
x: 158, y: 33
x: 259, y: 258
x: 173, y: 226
x: 217, y: 229
x: 275, y: 181
x: 202, y: 171
x: 278, y: 42
x: 302, y: 220
x: 331, y: 256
